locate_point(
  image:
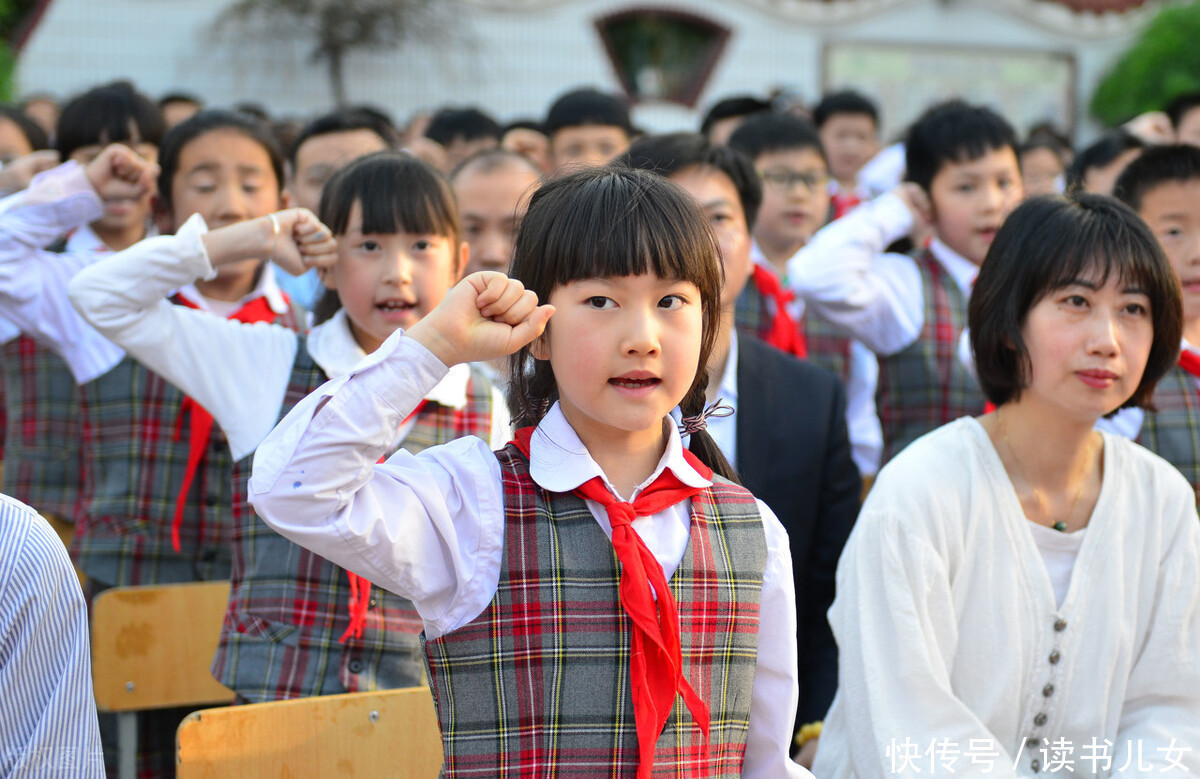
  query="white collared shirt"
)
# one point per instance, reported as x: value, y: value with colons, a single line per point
x: 33, y: 281
x: 847, y: 277
x: 238, y: 371
x: 430, y: 527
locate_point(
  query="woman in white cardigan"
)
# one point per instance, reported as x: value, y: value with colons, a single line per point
x: 1021, y: 594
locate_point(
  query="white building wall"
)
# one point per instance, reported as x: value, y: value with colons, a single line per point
x: 513, y: 56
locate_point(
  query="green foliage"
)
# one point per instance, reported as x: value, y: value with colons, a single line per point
x: 1163, y: 64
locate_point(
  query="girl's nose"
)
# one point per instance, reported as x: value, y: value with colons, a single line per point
x: 641, y: 332
x: 398, y: 269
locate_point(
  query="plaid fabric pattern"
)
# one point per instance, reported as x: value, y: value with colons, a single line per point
x: 43, y: 455
x: 133, y: 468
x: 1173, y: 430
x: 925, y: 386
x: 538, y: 684
x: 288, y: 607
x: 828, y: 347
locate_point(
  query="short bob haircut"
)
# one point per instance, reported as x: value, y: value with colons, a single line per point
x: 602, y: 223
x: 397, y: 193
x: 1047, y: 243
x: 669, y: 154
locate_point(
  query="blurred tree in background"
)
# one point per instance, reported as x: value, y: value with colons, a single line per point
x: 335, y: 28
x: 1163, y: 64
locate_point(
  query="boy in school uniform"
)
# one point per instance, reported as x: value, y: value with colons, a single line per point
x: 963, y: 180
x: 587, y: 127
x: 787, y: 435
x: 790, y: 162
x: 1163, y: 186
x: 849, y: 126
x: 43, y: 438
x: 322, y: 148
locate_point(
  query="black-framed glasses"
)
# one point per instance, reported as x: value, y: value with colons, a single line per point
x: 786, y: 179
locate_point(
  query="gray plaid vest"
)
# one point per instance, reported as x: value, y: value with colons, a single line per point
x: 1173, y: 430
x: 925, y: 385
x: 538, y: 684
x: 828, y: 346
x: 43, y: 457
x: 288, y: 606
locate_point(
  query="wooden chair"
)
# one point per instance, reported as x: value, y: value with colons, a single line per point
x: 392, y: 733
x: 152, y: 648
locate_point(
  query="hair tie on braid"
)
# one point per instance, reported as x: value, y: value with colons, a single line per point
x: 691, y: 425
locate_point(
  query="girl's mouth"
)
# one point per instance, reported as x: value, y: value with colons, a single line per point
x: 634, y: 383
x: 394, y: 305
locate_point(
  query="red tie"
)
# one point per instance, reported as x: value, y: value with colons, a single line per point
x: 360, y: 586
x: 844, y: 204
x: 655, y: 659
x: 784, y: 333
x: 1190, y: 362
x: 257, y: 310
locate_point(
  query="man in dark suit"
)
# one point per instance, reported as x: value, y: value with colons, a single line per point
x: 787, y: 436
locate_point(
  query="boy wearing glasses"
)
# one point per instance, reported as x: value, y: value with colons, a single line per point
x: 790, y: 161
x: 963, y: 179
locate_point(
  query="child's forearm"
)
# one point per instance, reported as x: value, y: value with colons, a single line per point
x: 250, y: 240
x: 58, y: 201
x: 405, y: 524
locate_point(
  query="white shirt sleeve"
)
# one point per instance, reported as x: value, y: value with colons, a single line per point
x: 47, y: 713
x: 427, y: 527
x: 237, y: 371
x: 776, y: 686
x: 1161, y: 711
x: 845, y: 276
x: 895, y: 610
x: 33, y: 282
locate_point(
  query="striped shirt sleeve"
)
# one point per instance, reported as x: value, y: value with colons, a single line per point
x: 47, y: 712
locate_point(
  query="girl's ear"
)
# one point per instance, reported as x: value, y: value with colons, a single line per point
x: 540, y: 348
x: 464, y: 255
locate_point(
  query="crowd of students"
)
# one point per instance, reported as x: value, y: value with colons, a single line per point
x: 572, y: 423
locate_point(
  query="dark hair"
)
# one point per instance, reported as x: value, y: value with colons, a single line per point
x: 1050, y: 144
x: 1154, y: 167
x: 522, y: 124
x: 254, y: 110
x: 1181, y: 106
x: 845, y: 102
x: 954, y: 131
x: 203, y: 123
x: 771, y: 132
x: 738, y: 105
x: 1047, y: 243
x: 111, y: 113
x: 666, y: 155
x: 396, y: 192
x: 1109, y: 147
x: 587, y: 106
x: 343, y: 121
x: 32, y: 131
x: 606, y: 222
x: 179, y: 97
x: 469, y: 124
x: 489, y: 160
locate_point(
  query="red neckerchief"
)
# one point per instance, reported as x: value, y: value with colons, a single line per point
x: 1190, y: 362
x: 655, y: 658
x: 360, y: 586
x: 784, y: 334
x: 844, y: 204
x: 257, y: 310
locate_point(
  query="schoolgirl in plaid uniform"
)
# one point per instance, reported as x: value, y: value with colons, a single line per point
x: 514, y: 559
x: 963, y: 180
x: 297, y: 624
x: 44, y: 439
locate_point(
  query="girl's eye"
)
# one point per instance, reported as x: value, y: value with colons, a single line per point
x: 965, y: 188
x: 1137, y: 309
x: 422, y: 246
x: 1172, y: 232
x: 598, y: 301
x: 250, y: 189
x: 1077, y: 301
x: 672, y: 301
x: 205, y: 189
x: 369, y: 246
